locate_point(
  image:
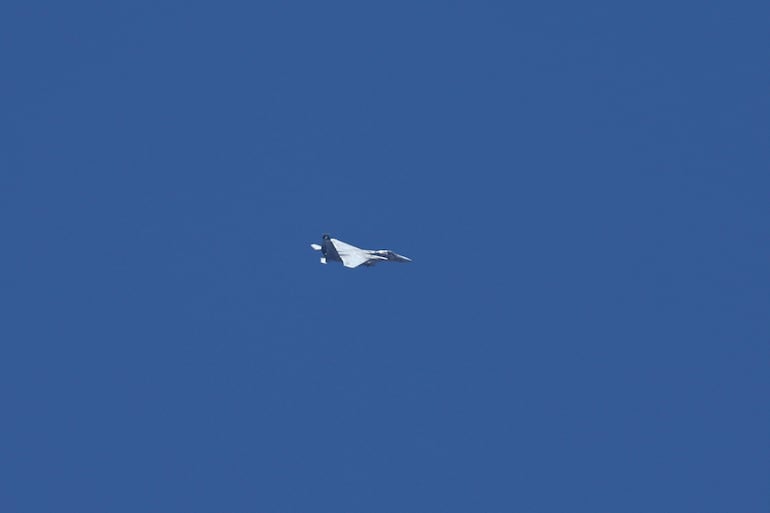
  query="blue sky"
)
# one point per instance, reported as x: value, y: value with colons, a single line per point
x: 583, y: 189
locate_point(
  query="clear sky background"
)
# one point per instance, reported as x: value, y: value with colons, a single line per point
x: 584, y: 189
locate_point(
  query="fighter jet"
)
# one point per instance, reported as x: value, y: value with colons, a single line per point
x: 337, y: 251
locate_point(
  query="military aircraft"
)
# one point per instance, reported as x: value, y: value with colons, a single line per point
x: 337, y: 251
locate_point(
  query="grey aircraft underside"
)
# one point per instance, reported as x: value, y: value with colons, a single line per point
x: 333, y: 250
